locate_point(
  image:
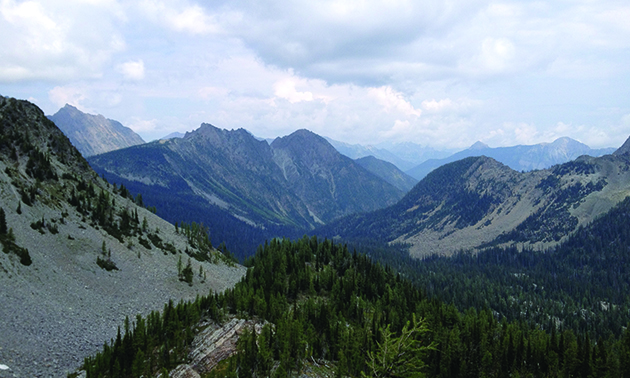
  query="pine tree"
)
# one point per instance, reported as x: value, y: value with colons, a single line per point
x: 3, y: 222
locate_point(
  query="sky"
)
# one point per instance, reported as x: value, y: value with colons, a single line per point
x: 440, y: 73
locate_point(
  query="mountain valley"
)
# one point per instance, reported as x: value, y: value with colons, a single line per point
x: 532, y: 263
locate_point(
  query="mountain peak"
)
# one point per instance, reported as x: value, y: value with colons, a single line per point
x: 569, y: 142
x: 479, y: 146
x: 307, y: 142
x: 93, y: 134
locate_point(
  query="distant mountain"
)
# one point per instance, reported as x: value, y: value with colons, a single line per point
x: 79, y: 254
x: 245, y: 189
x: 478, y: 202
x: 93, y: 134
x: 388, y: 172
x: 413, y: 152
x: 520, y: 158
x: 173, y: 135
x: 357, y: 151
x: 403, y: 155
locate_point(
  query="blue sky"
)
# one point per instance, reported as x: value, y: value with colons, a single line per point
x: 441, y: 73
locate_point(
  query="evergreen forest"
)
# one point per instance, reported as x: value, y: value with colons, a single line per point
x: 320, y: 303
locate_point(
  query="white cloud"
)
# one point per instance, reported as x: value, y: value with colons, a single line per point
x: 50, y: 40
x: 286, y: 89
x: 143, y: 125
x: 435, y: 72
x: 497, y: 54
x: 391, y: 101
x: 61, y: 96
x: 181, y: 17
x: 132, y: 70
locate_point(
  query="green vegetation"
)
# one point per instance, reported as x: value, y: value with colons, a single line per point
x: 7, y: 238
x: 582, y: 285
x: 322, y: 303
x: 104, y: 260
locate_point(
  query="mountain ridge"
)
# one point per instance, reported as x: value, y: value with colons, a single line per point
x: 478, y: 202
x: 388, y: 172
x: 519, y: 158
x: 93, y: 134
x: 292, y: 185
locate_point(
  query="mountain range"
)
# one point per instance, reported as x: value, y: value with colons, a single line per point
x: 519, y: 158
x: 406, y: 156
x: 93, y: 134
x: 222, y: 177
x: 478, y: 202
x: 79, y: 255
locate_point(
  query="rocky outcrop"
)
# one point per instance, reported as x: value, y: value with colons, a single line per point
x: 211, y: 346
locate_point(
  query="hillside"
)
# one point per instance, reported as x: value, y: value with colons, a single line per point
x: 388, y: 172
x: 519, y: 158
x: 79, y: 254
x: 243, y: 189
x: 478, y: 202
x: 93, y: 134
x: 311, y: 308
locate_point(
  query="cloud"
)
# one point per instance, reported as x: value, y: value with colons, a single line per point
x: 180, y: 16
x: 439, y: 73
x: 286, y: 89
x: 497, y: 54
x: 391, y: 101
x: 61, y: 96
x: 132, y: 70
x: 143, y: 125
x: 50, y: 40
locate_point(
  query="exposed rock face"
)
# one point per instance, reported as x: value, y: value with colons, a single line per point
x: 62, y: 306
x: 93, y: 134
x: 478, y: 202
x: 213, y: 345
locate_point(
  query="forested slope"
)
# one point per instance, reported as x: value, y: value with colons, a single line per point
x: 325, y: 305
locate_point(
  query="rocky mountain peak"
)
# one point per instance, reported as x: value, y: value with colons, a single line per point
x: 93, y: 134
x: 307, y: 145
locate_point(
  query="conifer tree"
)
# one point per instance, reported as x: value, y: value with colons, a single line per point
x: 3, y: 222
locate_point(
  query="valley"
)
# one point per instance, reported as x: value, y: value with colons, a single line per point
x: 494, y: 271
